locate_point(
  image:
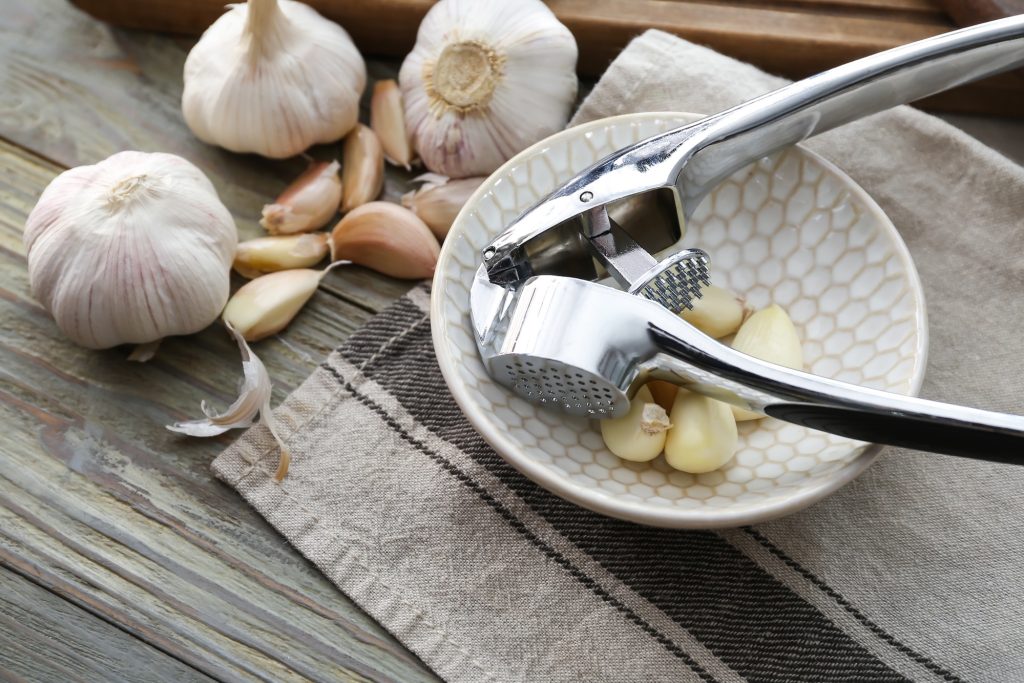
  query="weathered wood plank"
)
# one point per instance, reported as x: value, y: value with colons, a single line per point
x: 107, y: 509
x: 77, y: 91
x: 46, y: 638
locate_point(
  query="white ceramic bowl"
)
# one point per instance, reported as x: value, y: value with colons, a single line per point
x: 790, y: 229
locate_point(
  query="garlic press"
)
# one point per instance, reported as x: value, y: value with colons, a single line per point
x: 549, y: 328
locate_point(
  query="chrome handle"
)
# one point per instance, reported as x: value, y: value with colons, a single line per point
x: 710, y: 368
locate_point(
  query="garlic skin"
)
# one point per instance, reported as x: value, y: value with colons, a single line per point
x: 439, y: 200
x: 770, y: 335
x: 703, y: 436
x: 308, y: 203
x: 388, y: 239
x: 272, y: 77
x: 486, y: 79
x: 130, y: 250
x: 639, y: 435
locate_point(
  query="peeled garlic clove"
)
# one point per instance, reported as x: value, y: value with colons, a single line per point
x: 386, y: 238
x: 362, y: 170
x: 272, y: 77
x: 485, y: 80
x: 308, y: 203
x: 664, y: 393
x: 439, y: 200
x: 271, y: 254
x: 769, y: 334
x: 387, y: 119
x: 130, y: 250
x: 266, y: 305
x: 639, y: 435
x: 703, y: 436
x: 717, y: 313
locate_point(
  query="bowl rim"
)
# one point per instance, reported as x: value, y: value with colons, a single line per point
x: 631, y: 510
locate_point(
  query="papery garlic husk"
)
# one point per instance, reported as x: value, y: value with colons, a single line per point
x: 703, y: 436
x: 770, y: 335
x: 439, y: 200
x: 309, y: 203
x: 387, y: 119
x: 253, y: 398
x: 271, y: 254
x: 362, y: 170
x: 272, y: 77
x: 640, y: 434
x: 388, y: 239
x: 486, y: 79
x: 717, y: 313
x: 133, y: 249
x: 266, y: 305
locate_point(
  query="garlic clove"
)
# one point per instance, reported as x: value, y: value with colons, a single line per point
x: 387, y: 119
x: 770, y: 335
x: 386, y: 238
x: 271, y: 254
x: 703, y: 436
x: 485, y: 80
x: 308, y: 203
x: 253, y: 398
x: 639, y: 435
x: 362, y: 171
x: 664, y: 393
x: 266, y: 305
x: 439, y: 200
x: 717, y: 313
x: 272, y: 77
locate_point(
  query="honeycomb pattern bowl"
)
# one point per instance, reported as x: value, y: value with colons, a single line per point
x: 790, y: 229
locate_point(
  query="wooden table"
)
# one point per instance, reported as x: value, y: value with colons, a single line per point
x: 121, y: 557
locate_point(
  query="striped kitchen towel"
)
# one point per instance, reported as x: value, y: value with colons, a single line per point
x: 912, y: 572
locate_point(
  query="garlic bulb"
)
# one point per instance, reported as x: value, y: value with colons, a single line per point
x: 272, y: 77
x: 130, y: 250
x: 486, y: 79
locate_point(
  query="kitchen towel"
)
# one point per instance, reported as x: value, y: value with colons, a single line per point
x: 912, y: 572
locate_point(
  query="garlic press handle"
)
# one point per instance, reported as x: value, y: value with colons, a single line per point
x: 710, y: 368
x: 693, y: 159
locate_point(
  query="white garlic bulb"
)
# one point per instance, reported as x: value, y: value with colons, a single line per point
x: 272, y: 77
x: 486, y: 79
x: 128, y: 251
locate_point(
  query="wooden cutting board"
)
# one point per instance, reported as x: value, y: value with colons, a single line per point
x: 793, y: 38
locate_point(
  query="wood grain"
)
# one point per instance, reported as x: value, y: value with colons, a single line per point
x: 794, y: 38
x: 102, y: 508
x: 46, y: 638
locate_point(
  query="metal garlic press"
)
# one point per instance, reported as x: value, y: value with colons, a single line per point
x: 575, y: 305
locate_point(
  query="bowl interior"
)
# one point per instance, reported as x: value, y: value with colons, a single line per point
x: 789, y: 229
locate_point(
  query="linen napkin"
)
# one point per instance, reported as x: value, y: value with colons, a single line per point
x: 912, y: 572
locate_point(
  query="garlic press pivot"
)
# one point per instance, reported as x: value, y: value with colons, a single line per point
x: 549, y: 331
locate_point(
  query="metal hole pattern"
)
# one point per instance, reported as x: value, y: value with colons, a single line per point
x: 679, y: 285
x: 575, y: 392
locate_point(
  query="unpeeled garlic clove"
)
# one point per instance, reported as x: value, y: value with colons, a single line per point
x: 387, y: 119
x: 664, y: 393
x: 271, y: 254
x: 717, y: 313
x: 308, y: 203
x: 639, y: 435
x: 266, y: 305
x: 362, y: 170
x: 703, y: 436
x: 770, y: 335
x: 439, y: 200
x: 386, y: 238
